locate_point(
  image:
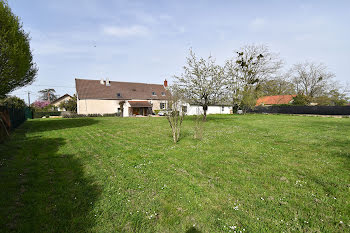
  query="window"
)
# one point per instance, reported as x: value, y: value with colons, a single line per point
x: 119, y: 95
x: 223, y: 108
x: 162, y: 105
x: 163, y: 93
x: 184, y: 109
x: 153, y: 93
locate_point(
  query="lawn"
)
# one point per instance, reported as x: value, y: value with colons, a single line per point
x: 251, y: 173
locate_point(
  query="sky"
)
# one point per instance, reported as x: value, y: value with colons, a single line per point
x: 148, y: 41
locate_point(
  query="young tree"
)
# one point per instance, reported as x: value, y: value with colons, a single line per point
x: 202, y: 81
x: 48, y: 94
x: 17, y: 68
x: 245, y: 72
x: 174, y: 114
x: 311, y: 79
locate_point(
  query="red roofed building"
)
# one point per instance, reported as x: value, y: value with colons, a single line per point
x: 275, y: 99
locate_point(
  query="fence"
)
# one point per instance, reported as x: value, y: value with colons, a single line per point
x: 316, y: 110
x: 11, y: 118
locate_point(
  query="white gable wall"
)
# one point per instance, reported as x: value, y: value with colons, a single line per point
x: 95, y: 106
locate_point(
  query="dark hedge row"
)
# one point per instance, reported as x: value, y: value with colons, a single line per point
x: 316, y: 110
x: 47, y: 114
x: 75, y: 115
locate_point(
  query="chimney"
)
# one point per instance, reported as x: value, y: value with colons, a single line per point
x: 165, y: 83
x: 107, y: 82
x: 102, y: 82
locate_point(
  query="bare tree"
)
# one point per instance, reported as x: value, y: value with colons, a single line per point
x: 337, y: 95
x: 202, y: 81
x: 277, y: 86
x: 175, y: 115
x: 251, y: 65
x: 311, y: 79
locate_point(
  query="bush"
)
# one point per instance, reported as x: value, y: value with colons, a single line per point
x: 111, y: 114
x: 70, y: 105
x: 301, y: 100
x: 75, y: 115
x: 13, y: 101
x: 39, y: 105
x: 46, y: 114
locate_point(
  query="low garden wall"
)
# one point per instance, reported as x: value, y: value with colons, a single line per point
x: 316, y: 110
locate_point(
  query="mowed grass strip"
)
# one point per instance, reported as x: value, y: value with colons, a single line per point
x: 251, y: 173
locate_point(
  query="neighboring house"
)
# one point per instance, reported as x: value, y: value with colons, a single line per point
x: 58, y: 101
x: 275, y: 99
x: 104, y: 96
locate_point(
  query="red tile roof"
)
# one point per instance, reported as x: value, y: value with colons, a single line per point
x: 274, y: 99
x: 93, y: 89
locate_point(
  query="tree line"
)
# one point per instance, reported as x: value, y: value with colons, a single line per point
x: 254, y: 71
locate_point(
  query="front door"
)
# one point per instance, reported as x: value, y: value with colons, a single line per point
x: 135, y: 111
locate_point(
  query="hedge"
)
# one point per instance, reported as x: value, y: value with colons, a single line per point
x: 47, y: 114
x: 75, y: 115
x: 317, y: 110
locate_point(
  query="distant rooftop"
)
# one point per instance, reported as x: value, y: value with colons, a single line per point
x: 274, y: 99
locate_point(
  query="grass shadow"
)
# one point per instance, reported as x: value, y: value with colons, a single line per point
x: 40, y: 125
x: 193, y: 230
x: 43, y: 190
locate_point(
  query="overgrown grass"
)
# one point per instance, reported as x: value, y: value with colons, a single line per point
x: 252, y: 173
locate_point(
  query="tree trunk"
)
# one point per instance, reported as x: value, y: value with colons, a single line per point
x: 174, y: 136
x: 205, y: 108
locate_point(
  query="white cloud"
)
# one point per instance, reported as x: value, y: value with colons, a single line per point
x: 132, y: 31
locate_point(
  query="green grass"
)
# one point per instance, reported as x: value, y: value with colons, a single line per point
x: 254, y: 173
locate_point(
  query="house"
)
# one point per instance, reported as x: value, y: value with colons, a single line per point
x: 56, y: 103
x: 132, y: 99
x: 275, y: 99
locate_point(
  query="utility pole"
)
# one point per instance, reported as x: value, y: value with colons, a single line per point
x: 48, y: 96
x: 28, y: 98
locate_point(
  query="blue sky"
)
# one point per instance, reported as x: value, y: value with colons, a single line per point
x: 147, y: 41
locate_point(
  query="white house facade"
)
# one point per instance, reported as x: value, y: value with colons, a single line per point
x: 110, y: 97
